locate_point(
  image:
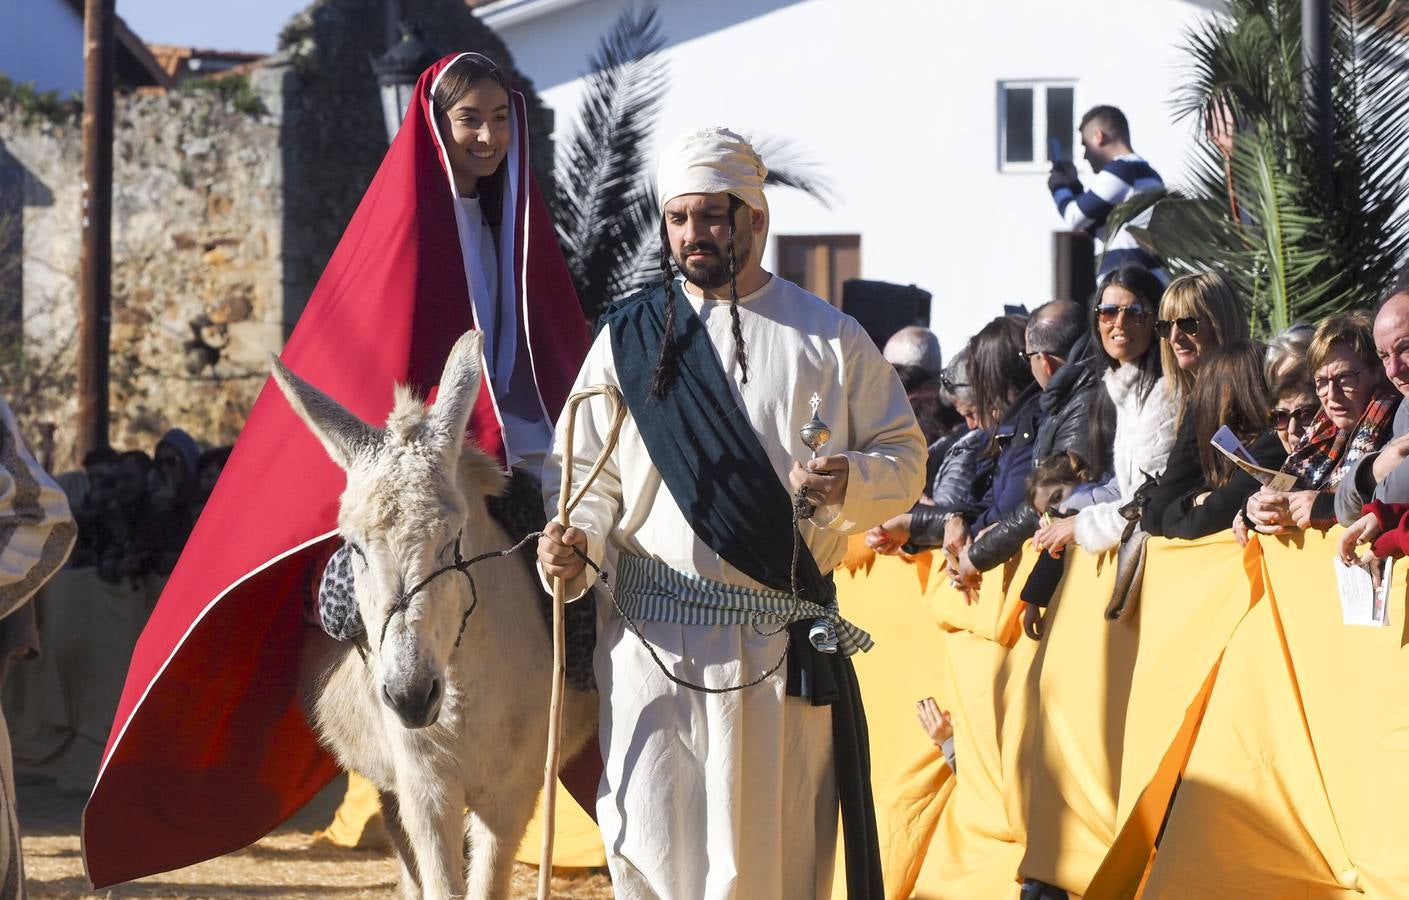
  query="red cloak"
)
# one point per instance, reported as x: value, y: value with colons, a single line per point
x: 210, y: 750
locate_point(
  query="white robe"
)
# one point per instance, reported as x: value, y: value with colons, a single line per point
x: 731, y: 795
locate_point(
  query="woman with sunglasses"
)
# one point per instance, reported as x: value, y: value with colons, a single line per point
x: 1133, y: 424
x: 1231, y: 391
x: 1357, y: 409
x: 1198, y: 313
x: 1295, y: 406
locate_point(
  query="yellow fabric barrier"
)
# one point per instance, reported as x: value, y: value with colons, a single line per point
x: 1289, y: 730
x: 1111, y: 696
x: 1298, y: 781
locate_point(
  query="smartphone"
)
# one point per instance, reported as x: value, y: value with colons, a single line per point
x: 1054, y: 150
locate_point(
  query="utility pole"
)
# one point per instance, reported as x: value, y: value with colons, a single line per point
x: 1316, y: 73
x: 95, y: 260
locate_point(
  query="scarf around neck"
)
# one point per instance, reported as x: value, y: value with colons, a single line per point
x: 1326, y: 452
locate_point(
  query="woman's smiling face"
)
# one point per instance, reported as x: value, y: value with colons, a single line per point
x: 476, y: 133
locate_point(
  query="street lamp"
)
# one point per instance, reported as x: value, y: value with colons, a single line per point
x: 397, y: 71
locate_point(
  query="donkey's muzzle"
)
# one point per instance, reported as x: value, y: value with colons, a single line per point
x: 417, y: 704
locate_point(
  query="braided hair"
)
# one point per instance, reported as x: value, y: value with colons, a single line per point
x: 667, y: 363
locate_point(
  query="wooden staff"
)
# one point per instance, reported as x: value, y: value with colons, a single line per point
x: 555, y: 708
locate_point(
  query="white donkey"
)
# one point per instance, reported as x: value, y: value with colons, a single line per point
x: 440, y: 721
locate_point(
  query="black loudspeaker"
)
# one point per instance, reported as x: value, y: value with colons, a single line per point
x: 883, y: 308
x: 1073, y: 266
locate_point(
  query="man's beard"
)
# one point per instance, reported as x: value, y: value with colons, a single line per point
x: 713, y: 272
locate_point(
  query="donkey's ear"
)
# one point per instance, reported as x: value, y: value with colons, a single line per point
x: 343, y: 435
x: 459, y: 388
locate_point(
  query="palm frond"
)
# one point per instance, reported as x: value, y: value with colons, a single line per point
x: 789, y: 166
x: 1294, y: 246
x: 604, y: 213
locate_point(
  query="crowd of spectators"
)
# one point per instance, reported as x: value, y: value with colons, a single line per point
x: 135, y: 510
x: 1095, y: 425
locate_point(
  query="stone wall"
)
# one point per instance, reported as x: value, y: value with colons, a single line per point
x: 197, y: 214
x: 222, y: 222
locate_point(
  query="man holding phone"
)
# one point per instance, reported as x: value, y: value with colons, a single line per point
x: 1120, y: 174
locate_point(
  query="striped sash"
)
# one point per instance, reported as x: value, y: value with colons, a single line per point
x: 651, y: 590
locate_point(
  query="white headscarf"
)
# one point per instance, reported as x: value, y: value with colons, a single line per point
x: 714, y: 161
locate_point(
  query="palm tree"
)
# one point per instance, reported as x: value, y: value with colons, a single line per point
x: 1301, y: 236
x: 605, y: 210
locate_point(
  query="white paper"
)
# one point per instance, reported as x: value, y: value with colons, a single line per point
x: 1227, y: 443
x: 1362, y: 603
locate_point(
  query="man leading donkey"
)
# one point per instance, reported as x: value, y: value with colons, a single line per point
x: 728, y: 736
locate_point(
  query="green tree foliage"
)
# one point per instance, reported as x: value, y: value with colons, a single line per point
x: 605, y: 211
x: 1301, y: 236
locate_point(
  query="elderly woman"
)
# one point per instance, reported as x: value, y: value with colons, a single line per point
x: 1294, y: 402
x: 1357, y: 409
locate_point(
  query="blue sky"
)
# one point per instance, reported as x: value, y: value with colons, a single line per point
x: 250, y: 25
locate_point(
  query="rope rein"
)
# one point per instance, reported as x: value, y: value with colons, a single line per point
x: 463, y: 566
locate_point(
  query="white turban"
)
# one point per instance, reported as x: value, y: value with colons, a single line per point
x: 714, y: 161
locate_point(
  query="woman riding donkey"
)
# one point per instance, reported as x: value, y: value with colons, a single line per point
x: 451, y: 235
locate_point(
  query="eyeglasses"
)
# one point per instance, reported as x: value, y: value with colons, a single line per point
x: 1283, y: 418
x: 1343, y: 382
x: 951, y: 386
x: 1134, y: 312
x: 1187, y: 324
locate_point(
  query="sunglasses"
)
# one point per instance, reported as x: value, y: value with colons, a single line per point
x: 1134, y: 312
x: 951, y: 386
x: 1283, y: 418
x: 1188, y: 324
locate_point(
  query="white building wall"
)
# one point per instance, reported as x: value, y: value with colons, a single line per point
x: 42, y: 41
x: 897, y: 102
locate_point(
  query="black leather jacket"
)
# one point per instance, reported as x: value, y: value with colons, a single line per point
x: 1066, y: 412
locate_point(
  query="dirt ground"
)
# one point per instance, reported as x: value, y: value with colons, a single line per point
x: 287, y: 864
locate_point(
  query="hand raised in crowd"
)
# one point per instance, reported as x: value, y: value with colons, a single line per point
x: 1032, y: 621
x: 1363, y: 530
x: 1063, y: 175
x: 1055, y: 535
x: 824, y: 479
x: 935, y: 721
x: 889, y: 536
x: 555, y: 550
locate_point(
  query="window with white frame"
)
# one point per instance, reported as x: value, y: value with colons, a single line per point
x: 1032, y: 115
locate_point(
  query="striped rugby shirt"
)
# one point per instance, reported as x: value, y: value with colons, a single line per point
x: 1122, y: 178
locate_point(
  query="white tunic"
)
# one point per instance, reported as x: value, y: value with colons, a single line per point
x: 731, y: 795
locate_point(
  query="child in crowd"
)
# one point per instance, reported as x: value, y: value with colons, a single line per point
x: 939, y: 725
x: 1054, y: 480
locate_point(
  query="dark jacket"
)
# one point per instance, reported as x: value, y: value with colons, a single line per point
x: 1015, y: 439
x: 960, y: 482
x: 1065, y: 408
x: 1182, y: 519
x: 1182, y: 474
